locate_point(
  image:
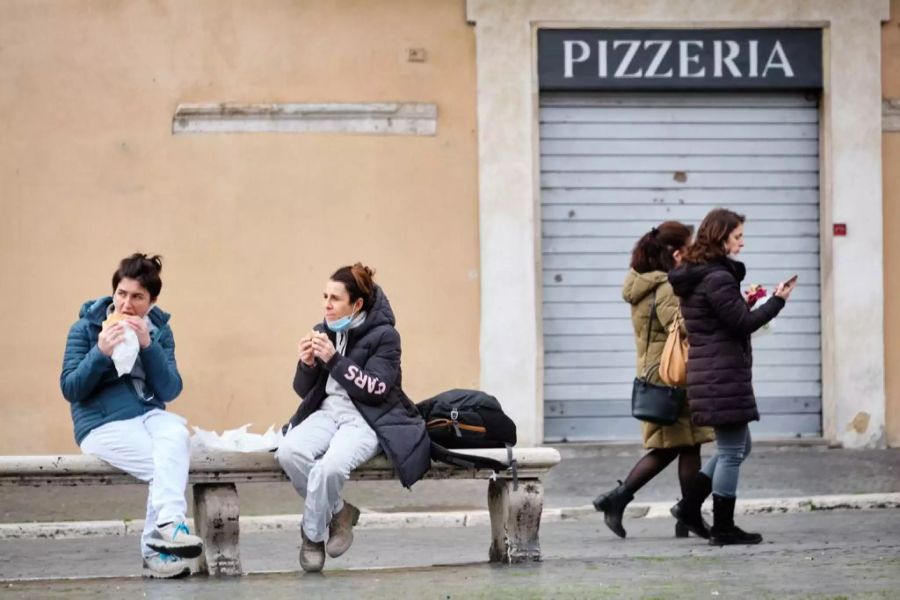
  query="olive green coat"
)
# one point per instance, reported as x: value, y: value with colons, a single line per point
x: 637, y: 291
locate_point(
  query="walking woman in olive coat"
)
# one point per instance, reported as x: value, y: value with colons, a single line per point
x: 655, y: 306
x: 719, y: 368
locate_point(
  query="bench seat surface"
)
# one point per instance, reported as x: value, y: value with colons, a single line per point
x: 244, y: 467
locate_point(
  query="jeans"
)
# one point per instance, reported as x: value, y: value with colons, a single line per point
x: 318, y: 456
x: 733, y: 445
x: 154, y: 447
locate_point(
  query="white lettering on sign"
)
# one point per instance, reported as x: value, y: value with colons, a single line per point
x: 569, y: 59
x: 686, y: 58
x: 602, y: 58
x: 633, y: 47
x: 754, y: 58
x: 628, y: 56
x: 783, y: 63
x: 664, y: 46
x: 719, y: 60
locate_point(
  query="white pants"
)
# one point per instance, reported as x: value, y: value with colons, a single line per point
x: 155, y: 448
x: 318, y: 456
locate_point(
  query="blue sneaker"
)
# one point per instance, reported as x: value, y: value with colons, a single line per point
x: 164, y: 566
x: 176, y: 539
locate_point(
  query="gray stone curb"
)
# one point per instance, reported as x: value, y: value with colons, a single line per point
x: 476, y: 518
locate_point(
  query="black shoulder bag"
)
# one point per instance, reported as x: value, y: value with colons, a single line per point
x: 658, y: 404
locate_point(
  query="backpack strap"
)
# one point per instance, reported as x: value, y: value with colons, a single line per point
x: 650, y: 321
x: 649, y: 368
x: 513, y: 465
x: 467, y: 461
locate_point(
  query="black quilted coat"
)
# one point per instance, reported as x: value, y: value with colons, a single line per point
x: 719, y: 324
x: 370, y: 372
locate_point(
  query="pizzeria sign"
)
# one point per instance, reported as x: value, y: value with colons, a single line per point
x: 680, y: 59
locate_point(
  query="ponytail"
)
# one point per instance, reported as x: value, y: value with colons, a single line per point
x: 359, y: 281
x: 653, y: 252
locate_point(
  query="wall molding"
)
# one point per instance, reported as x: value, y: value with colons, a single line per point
x: 383, y: 118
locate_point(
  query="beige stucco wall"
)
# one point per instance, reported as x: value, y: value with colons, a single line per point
x: 891, y: 141
x: 250, y: 225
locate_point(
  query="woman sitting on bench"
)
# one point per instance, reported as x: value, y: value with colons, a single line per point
x: 119, y: 412
x: 348, y: 375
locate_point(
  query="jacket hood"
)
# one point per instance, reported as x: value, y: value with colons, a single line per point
x: 94, y: 311
x: 639, y: 285
x: 380, y: 313
x: 686, y: 277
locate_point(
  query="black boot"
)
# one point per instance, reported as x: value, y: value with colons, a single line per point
x: 724, y: 532
x: 687, y: 511
x: 613, y: 504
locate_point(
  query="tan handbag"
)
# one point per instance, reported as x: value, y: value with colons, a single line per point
x: 673, y: 364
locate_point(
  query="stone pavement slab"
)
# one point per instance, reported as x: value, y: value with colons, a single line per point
x: 852, y: 554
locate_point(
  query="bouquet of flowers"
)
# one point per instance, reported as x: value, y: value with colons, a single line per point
x: 755, y: 292
x: 756, y: 296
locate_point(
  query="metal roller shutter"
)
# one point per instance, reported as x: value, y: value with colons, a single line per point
x: 615, y: 165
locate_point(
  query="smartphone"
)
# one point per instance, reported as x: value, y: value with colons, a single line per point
x: 791, y: 281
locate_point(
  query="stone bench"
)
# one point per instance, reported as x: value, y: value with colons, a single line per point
x: 515, y: 510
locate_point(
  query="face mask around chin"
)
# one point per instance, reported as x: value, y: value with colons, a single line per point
x: 341, y: 324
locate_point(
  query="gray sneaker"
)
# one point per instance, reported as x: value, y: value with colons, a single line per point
x: 165, y: 566
x: 175, y: 539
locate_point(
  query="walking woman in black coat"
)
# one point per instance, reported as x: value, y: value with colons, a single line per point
x: 719, y: 369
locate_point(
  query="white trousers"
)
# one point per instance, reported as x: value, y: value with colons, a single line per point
x: 318, y: 456
x: 155, y: 448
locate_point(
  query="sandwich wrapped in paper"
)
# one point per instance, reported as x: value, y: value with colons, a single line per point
x: 125, y: 353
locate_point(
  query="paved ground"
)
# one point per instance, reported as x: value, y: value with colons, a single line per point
x: 829, y: 554
x: 821, y: 554
x: 770, y: 472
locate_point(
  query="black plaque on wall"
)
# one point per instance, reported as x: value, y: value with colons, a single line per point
x: 680, y: 59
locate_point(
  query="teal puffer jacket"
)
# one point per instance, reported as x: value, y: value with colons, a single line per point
x: 96, y: 393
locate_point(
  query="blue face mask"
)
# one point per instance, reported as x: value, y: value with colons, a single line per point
x: 341, y: 324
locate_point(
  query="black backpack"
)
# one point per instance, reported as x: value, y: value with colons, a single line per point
x: 469, y: 419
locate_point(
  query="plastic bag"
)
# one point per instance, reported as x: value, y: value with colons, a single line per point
x: 125, y: 352
x: 236, y: 440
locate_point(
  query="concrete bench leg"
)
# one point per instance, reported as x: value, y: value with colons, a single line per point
x: 216, y: 519
x: 515, y: 520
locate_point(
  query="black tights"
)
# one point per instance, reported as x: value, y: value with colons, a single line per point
x: 652, y: 464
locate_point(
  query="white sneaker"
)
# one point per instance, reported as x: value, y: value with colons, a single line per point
x: 175, y: 539
x: 165, y: 566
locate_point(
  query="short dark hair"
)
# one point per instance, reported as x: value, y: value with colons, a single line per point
x: 359, y: 281
x: 143, y: 269
x: 717, y: 225
x: 653, y: 252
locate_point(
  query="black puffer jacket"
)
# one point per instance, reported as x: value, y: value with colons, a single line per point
x: 370, y: 372
x: 719, y: 324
